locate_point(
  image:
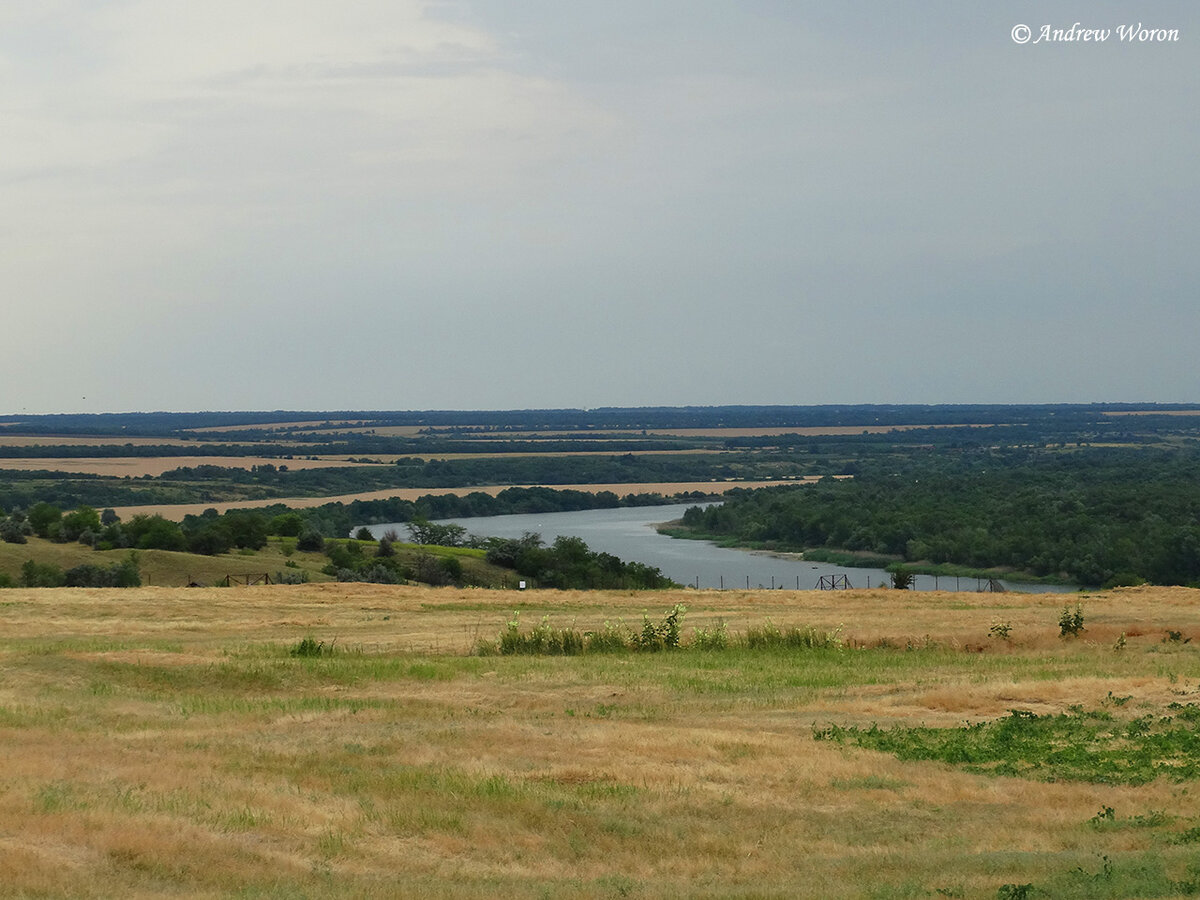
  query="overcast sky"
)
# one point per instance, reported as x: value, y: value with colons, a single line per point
x: 397, y: 204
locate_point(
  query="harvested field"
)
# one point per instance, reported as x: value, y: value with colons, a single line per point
x: 273, y: 425
x: 557, y: 454
x: 382, y: 430
x: 172, y: 742
x: 98, y: 440
x: 137, y: 466
x: 626, y: 433
x: 815, y: 431
x: 1154, y: 412
x: 176, y: 512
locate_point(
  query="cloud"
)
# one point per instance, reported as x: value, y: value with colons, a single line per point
x: 241, y: 104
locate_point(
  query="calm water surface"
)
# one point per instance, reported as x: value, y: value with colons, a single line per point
x: 628, y: 533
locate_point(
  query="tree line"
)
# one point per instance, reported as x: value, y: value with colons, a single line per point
x: 1097, y: 516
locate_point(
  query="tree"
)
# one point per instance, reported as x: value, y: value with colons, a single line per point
x: 35, y: 574
x: 42, y: 516
x: 154, y: 533
x: 246, y: 529
x: 425, y: 532
x: 82, y: 519
x: 11, y: 533
x: 311, y: 541
x: 289, y: 524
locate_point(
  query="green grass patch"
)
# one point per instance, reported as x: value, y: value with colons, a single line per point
x: 1087, y: 746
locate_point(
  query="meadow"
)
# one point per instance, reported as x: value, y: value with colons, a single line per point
x: 349, y: 740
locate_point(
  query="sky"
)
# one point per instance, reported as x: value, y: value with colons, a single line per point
x: 499, y: 204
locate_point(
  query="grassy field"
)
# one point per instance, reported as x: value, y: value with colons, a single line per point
x: 170, y: 742
x: 166, y: 568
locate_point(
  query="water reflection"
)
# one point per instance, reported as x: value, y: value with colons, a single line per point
x: 629, y: 534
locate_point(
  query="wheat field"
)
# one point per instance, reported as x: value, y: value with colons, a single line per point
x: 168, y: 742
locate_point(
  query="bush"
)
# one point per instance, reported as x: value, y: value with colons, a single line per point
x: 376, y: 574
x: 286, y: 525
x: 714, y: 638
x: 435, y: 571
x: 311, y: 541
x: 35, y: 574
x: 11, y: 532
x: 154, y: 533
x: 1070, y: 623
x: 212, y: 540
x: 768, y: 636
x: 310, y: 647
x: 543, y: 640
x: 41, y: 516
x: 122, y: 574
x: 665, y: 634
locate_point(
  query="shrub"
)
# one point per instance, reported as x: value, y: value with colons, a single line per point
x: 1001, y: 631
x: 310, y: 647
x: 768, y: 636
x: 714, y: 638
x: 665, y: 634
x: 376, y: 574
x: 611, y: 639
x: 11, y: 532
x: 41, y: 516
x: 122, y: 574
x: 1070, y: 623
x: 311, y: 541
x: 34, y: 574
x: 289, y: 524
x: 543, y: 640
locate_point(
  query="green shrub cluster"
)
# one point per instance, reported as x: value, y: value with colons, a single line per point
x: 569, y: 563
x: 309, y: 646
x: 769, y: 637
x: 1070, y: 623
x: 126, y: 573
x: 665, y: 634
x: 1075, y: 746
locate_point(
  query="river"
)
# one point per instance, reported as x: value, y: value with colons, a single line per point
x: 628, y: 533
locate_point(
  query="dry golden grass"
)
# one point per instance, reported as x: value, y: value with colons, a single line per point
x: 626, y: 434
x: 815, y: 430
x: 164, y: 742
x: 1154, y: 412
x: 176, y: 512
x: 137, y: 466
x: 270, y: 425
x: 43, y: 440
x: 556, y: 454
